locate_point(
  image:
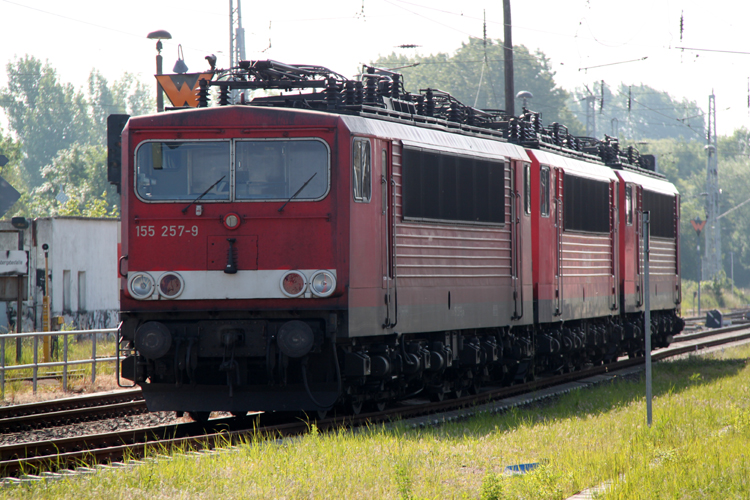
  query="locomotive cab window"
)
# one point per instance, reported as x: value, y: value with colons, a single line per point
x: 182, y: 170
x: 629, y: 204
x: 279, y: 169
x: 527, y: 189
x: 544, y: 191
x: 361, y: 170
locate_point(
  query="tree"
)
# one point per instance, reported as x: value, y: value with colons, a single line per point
x: 128, y: 95
x: 684, y: 164
x: 638, y: 112
x: 475, y: 76
x: 45, y: 115
x: 80, y: 172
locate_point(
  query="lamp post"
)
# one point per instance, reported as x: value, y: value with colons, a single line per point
x: 159, y: 35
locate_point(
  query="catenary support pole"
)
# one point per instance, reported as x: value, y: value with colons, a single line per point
x: 508, y: 56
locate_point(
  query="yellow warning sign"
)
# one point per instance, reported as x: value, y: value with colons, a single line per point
x: 182, y: 89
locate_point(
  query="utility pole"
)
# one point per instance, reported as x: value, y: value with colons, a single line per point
x: 510, y: 94
x: 712, y: 262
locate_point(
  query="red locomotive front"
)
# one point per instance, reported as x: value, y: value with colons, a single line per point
x: 226, y: 212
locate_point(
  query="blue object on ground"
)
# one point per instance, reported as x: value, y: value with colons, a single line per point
x: 521, y: 468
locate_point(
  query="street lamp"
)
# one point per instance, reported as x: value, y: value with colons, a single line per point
x: 159, y: 35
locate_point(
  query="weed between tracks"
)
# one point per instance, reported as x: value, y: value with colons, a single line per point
x: 696, y: 448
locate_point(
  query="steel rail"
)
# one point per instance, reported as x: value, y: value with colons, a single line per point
x: 69, y: 403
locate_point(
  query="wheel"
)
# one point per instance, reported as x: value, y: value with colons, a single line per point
x: 199, y: 416
x: 376, y: 406
x: 354, y: 407
x: 321, y: 414
x: 437, y: 397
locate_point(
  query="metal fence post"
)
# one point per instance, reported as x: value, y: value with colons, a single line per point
x: 93, y: 357
x: 65, y: 360
x: 36, y: 362
x: 647, y: 313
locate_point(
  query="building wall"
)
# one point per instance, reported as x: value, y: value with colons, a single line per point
x: 76, y: 245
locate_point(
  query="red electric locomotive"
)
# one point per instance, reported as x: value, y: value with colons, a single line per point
x: 345, y: 243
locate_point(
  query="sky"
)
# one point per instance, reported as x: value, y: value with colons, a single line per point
x: 587, y: 41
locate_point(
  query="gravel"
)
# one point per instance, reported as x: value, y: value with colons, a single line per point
x: 145, y: 420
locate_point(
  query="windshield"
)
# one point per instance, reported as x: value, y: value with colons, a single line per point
x: 275, y: 170
x: 183, y: 170
x: 263, y: 170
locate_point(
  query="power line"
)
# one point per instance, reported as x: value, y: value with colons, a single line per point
x: 714, y: 50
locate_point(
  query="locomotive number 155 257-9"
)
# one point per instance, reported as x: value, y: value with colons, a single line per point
x: 166, y: 231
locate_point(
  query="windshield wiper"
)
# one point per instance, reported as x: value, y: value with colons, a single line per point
x: 204, y: 193
x: 298, y: 191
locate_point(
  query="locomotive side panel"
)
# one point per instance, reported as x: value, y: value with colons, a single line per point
x: 448, y: 265
x: 574, y: 238
x: 659, y: 197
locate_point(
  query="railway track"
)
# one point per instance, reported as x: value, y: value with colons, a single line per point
x: 738, y: 316
x: 21, y: 460
x: 64, y: 411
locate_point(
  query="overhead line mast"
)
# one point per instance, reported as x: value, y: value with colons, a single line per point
x: 712, y: 261
x: 236, y: 35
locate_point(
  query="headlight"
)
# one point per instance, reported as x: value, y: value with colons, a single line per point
x: 322, y: 284
x: 293, y: 283
x: 171, y: 285
x: 141, y: 286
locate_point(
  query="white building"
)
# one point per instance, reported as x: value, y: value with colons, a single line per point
x: 82, y: 262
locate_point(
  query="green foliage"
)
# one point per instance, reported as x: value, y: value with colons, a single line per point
x: 44, y: 114
x: 652, y: 114
x: 59, y: 137
x: 12, y: 171
x: 127, y: 95
x: 80, y: 172
x: 492, y: 487
x: 475, y: 76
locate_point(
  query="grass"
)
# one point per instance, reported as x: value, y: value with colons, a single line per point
x: 714, y: 295
x: 696, y: 448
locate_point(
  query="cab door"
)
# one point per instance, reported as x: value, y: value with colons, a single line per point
x: 387, y: 228
x: 639, y: 250
x: 557, y: 183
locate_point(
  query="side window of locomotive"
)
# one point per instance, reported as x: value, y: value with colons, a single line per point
x: 527, y: 189
x: 663, y: 208
x: 384, y: 182
x: 438, y: 186
x: 585, y: 204
x: 629, y: 204
x: 361, y: 170
x: 281, y: 169
x: 182, y: 170
x: 544, y: 191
